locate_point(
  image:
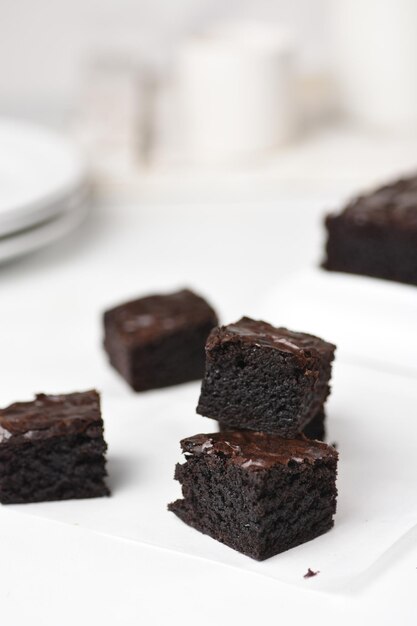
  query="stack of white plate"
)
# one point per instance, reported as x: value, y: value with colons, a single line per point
x: 43, y: 190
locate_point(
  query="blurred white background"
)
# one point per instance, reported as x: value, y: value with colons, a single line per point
x: 122, y: 77
x: 44, y: 45
x: 246, y: 98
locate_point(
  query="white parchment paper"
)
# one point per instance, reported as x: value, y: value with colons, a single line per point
x: 372, y: 321
x: 371, y: 416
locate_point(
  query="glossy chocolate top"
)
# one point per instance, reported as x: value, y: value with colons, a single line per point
x: 51, y: 416
x: 256, y: 450
x: 263, y: 334
x: 394, y: 204
x: 153, y: 316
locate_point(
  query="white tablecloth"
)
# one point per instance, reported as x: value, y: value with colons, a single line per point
x: 54, y: 572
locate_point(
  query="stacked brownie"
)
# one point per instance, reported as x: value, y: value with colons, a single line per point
x: 264, y: 378
x: 257, y: 493
x: 260, y: 486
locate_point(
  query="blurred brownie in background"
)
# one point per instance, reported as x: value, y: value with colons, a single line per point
x: 376, y: 234
x: 159, y: 340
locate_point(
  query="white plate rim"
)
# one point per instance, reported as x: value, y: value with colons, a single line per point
x: 70, y: 217
x: 44, y: 205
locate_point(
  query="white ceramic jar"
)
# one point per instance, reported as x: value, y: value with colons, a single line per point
x: 237, y: 91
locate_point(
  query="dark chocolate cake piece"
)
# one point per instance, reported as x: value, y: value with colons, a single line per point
x: 257, y: 493
x: 316, y: 429
x: 159, y: 341
x: 376, y: 234
x: 263, y: 378
x: 52, y: 449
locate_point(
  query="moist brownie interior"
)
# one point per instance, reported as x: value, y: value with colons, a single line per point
x: 264, y: 378
x: 52, y: 449
x: 257, y: 493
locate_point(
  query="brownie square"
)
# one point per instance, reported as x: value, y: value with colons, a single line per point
x: 263, y: 378
x: 52, y: 449
x: 316, y: 429
x: 159, y: 341
x: 376, y: 234
x: 257, y: 493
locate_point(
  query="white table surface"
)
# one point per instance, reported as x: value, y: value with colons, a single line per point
x: 54, y: 573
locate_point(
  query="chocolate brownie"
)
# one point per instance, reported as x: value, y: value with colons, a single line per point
x: 52, y: 449
x: 316, y: 429
x: 263, y: 378
x: 159, y: 341
x: 376, y: 234
x: 257, y: 493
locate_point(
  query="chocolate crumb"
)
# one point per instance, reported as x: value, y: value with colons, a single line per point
x: 334, y: 445
x: 310, y: 573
